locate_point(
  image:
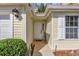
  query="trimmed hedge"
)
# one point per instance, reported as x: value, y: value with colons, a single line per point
x: 13, y: 47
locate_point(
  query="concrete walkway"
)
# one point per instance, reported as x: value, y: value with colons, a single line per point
x: 38, y: 46
x: 45, y: 51
x: 42, y: 49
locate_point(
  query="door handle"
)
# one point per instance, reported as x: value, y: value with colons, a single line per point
x: 41, y: 31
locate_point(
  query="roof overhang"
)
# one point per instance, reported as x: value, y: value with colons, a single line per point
x: 2, y: 4
x: 55, y: 9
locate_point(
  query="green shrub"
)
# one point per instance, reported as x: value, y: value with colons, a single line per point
x: 13, y: 47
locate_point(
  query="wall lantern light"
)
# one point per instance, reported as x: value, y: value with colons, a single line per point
x: 15, y: 12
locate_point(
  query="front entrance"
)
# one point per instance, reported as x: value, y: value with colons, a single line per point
x: 39, y: 36
x: 39, y: 30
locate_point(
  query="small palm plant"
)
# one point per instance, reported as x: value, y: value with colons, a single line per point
x: 41, y: 7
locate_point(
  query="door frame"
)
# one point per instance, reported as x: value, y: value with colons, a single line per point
x: 34, y: 29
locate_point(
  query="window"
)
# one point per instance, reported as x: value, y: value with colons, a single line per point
x: 71, y: 23
x: 6, y: 26
x: 4, y: 17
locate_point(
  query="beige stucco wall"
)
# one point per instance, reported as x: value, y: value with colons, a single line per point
x: 29, y: 32
x: 49, y: 32
x: 63, y: 45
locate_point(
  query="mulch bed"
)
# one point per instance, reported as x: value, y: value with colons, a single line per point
x: 66, y: 53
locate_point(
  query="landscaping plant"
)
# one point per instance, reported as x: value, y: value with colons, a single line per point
x: 13, y: 47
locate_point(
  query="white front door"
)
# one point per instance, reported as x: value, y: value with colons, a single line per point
x: 39, y: 28
x: 5, y: 26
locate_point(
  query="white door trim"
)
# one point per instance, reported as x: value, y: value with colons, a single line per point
x: 38, y: 32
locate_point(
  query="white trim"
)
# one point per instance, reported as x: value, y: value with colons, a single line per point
x: 78, y: 27
x: 61, y: 27
x: 12, y: 19
x: 67, y: 49
x: 24, y: 24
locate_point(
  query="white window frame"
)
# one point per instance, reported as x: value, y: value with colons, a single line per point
x: 10, y: 19
x: 71, y: 27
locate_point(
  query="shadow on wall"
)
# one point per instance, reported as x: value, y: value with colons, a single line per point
x: 48, y: 30
x: 47, y: 37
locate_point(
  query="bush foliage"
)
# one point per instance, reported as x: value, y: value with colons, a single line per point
x: 13, y: 47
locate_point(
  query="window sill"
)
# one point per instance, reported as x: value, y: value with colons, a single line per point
x: 68, y: 40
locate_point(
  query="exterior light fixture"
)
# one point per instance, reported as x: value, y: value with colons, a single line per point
x: 15, y: 12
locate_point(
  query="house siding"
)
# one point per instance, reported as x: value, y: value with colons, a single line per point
x: 17, y: 28
x: 62, y: 44
x: 20, y: 24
